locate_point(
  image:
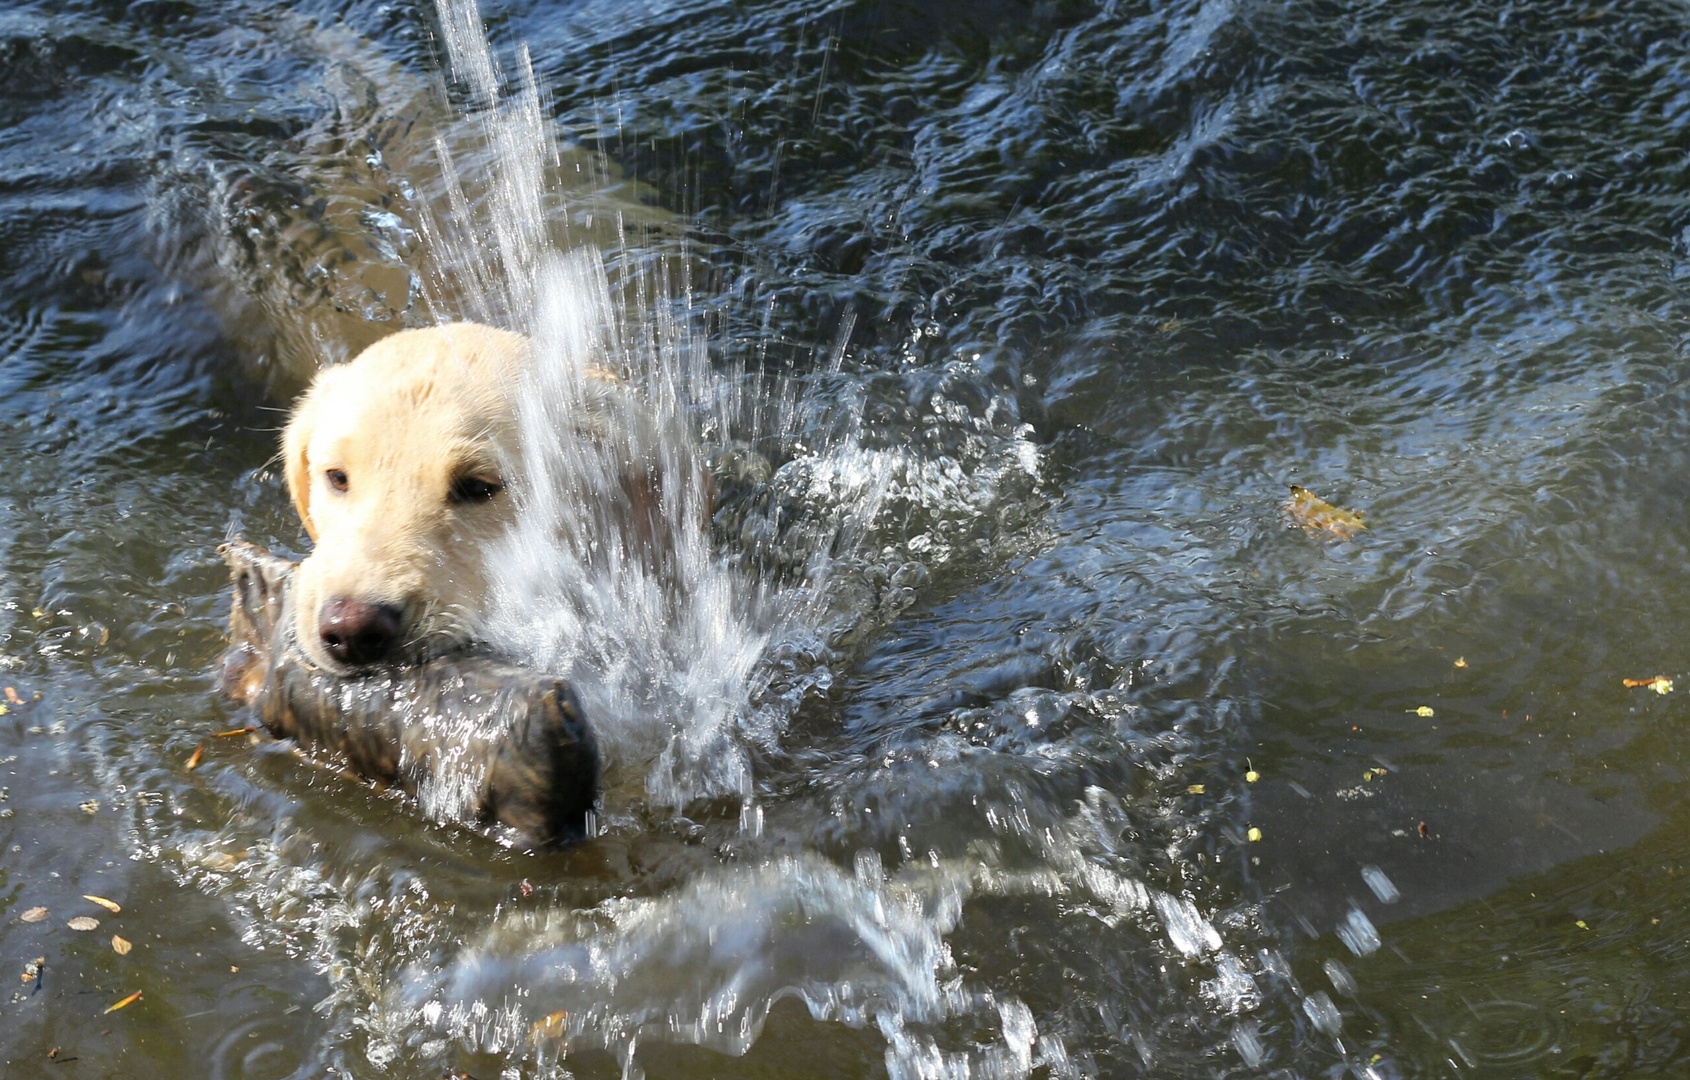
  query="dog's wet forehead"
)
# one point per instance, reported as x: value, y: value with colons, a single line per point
x: 414, y: 431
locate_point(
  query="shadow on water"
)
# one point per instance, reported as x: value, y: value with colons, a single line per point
x: 1102, y: 279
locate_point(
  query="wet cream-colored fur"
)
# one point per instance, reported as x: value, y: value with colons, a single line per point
x: 375, y: 451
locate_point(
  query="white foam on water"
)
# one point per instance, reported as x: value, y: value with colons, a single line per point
x: 704, y: 964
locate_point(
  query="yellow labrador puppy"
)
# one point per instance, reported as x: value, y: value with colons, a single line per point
x: 396, y: 463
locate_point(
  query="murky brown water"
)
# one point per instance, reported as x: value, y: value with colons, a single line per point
x: 1425, y: 259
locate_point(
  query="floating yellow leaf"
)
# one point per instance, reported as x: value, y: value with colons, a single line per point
x: 194, y: 761
x: 1581, y: 925
x: 551, y: 1027
x: 120, y: 946
x: 34, y: 914
x: 1660, y: 684
x: 1424, y: 710
x: 1461, y: 661
x: 110, y: 905
x: 1252, y: 776
x: 1194, y: 789
x: 84, y: 922
x: 1315, y: 514
x: 1254, y: 834
x: 125, y: 1003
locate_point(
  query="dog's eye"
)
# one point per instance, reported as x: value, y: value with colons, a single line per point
x: 336, y: 479
x: 473, y: 489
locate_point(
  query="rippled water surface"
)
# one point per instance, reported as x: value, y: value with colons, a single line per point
x: 1097, y: 765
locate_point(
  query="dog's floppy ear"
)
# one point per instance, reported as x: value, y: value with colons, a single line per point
x: 296, y: 464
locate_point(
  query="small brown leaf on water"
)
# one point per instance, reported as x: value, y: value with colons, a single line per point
x: 32, y: 970
x: 84, y: 922
x: 120, y: 946
x: 232, y: 732
x: 194, y: 761
x: 110, y: 905
x: 34, y: 914
x: 1315, y: 514
x: 12, y: 695
x: 1660, y: 684
x: 125, y: 1003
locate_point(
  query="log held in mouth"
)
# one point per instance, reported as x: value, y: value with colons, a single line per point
x: 473, y: 738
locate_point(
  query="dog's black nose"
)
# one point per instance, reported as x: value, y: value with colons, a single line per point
x: 358, y: 632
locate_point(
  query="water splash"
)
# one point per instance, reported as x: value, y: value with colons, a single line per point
x: 611, y: 575
x: 691, y: 548
x: 696, y: 546
x: 704, y: 964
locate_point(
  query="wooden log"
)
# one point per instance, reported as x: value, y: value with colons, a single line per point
x: 474, y: 738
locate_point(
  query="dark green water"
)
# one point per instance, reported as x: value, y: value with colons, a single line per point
x: 1424, y: 258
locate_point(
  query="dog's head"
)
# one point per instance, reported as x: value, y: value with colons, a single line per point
x: 397, y: 463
